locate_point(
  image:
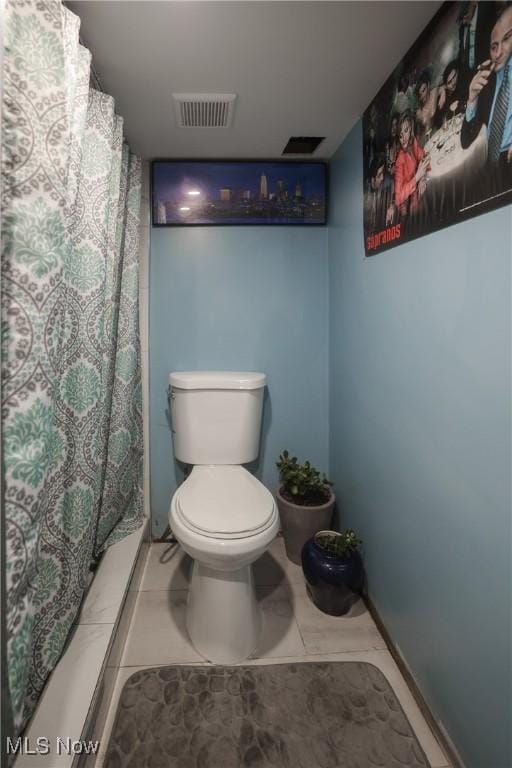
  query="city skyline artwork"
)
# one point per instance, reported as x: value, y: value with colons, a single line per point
x: 232, y: 192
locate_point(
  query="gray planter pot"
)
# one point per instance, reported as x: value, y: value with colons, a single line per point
x: 300, y: 523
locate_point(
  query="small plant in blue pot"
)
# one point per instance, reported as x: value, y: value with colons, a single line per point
x: 334, y: 570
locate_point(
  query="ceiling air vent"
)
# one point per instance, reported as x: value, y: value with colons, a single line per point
x: 204, y: 110
x: 302, y: 145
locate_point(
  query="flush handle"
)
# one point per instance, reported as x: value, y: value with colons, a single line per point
x: 171, y: 395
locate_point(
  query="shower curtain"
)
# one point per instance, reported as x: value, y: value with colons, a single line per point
x: 71, y: 385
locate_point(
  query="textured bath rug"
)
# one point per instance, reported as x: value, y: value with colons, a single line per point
x: 307, y: 715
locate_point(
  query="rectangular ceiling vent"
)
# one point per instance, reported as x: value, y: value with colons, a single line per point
x: 204, y: 110
x: 302, y: 145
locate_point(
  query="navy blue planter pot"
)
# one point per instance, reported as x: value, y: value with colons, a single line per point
x: 334, y: 583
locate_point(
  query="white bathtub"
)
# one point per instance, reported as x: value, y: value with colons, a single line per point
x: 77, y: 695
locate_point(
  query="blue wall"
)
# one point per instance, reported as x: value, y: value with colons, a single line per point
x: 420, y: 425
x: 241, y: 298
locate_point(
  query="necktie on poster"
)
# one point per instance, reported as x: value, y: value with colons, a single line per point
x: 499, y: 117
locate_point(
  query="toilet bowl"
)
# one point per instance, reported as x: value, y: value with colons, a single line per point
x: 225, y: 519
x: 221, y: 515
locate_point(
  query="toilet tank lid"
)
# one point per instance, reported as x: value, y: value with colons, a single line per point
x: 217, y: 379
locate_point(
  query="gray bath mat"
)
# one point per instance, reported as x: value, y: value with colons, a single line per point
x: 307, y: 715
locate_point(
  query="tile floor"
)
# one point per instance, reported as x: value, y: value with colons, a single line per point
x: 293, y: 630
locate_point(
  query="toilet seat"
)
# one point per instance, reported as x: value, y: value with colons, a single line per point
x: 224, y: 502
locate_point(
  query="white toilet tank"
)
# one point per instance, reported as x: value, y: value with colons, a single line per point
x: 216, y: 416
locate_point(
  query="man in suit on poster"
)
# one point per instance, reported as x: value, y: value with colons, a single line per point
x: 490, y: 102
x: 379, y: 209
x: 476, y: 19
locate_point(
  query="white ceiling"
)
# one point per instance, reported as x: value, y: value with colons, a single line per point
x: 299, y: 68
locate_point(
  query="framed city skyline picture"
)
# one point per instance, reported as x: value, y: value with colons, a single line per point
x: 233, y: 192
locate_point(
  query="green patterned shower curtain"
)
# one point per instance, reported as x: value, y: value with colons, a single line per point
x: 71, y: 389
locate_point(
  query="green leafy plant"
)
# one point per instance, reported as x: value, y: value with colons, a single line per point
x: 342, y: 544
x: 301, y: 483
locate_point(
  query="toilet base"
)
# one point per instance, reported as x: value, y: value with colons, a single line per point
x: 223, y: 617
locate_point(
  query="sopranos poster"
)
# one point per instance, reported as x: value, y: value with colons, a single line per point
x: 437, y: 139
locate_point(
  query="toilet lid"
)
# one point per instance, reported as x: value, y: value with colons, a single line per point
x: 224, y: 502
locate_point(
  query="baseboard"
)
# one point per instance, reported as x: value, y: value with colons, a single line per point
x: 442, y: 737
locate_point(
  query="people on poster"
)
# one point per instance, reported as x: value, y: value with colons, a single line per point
x: 392, y: 145
x: 411, y: 166
x: 475, y: 23
x: 489, y: 98
x: 372, y: 135
x: 452, y: 96
x: 428, y: 98
x: 468, y: 17
x: 379, y: 208
x: 404, y: 99
x: 440, y: 162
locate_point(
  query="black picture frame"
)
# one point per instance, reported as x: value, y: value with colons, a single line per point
x: 238, y: 193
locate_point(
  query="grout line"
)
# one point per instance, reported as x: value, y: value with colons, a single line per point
x: 185, y: 589
x: 300, y: 633
x: 132, y: 621
x: 143, y: 574
x: 180, y: 661
x: 169, y: 589
x: 249, y: 662
x: 93, y: 623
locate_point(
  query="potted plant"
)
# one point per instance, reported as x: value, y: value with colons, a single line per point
x: 334, y: 570
x: 305, y: 501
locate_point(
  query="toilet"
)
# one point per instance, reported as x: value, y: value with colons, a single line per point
x: 221, y: 515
